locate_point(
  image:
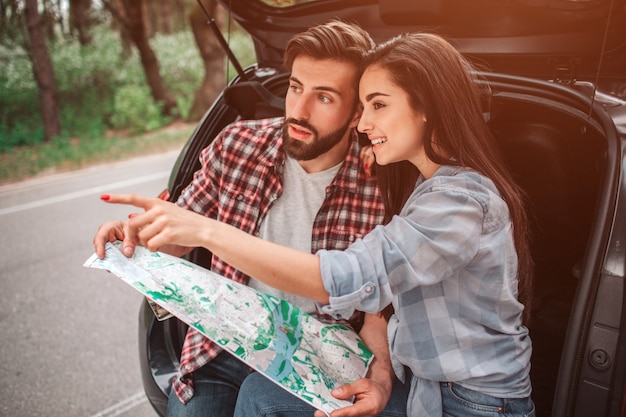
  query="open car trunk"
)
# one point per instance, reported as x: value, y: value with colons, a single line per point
x: 568, y: 164
x: 566, y: 154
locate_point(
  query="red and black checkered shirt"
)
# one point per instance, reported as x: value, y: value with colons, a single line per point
x: 241, y: 177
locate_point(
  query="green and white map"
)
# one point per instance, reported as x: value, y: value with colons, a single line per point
x: 303, y: 355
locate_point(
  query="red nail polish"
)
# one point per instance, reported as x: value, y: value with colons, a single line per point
x: 105, y: 197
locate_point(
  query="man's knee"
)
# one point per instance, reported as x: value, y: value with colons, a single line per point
x: 260, y: 397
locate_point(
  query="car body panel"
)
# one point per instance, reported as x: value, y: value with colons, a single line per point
x: 520, y: 37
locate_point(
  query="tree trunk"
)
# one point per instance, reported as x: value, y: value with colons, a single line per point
x: 149, y: 61
x: 119, y: 23
x: 43, y: 71
x: 80, y: 20
x: 148, y: 16
x: 213, y: 58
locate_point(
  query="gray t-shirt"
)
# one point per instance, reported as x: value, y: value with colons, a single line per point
x: 290, y: 220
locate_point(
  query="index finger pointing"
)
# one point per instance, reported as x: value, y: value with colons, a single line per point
x: 130, y: 199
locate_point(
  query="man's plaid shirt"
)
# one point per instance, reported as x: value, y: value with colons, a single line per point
x: 240, y: 179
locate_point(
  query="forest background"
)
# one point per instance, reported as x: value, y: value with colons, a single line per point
x: 84, y: 81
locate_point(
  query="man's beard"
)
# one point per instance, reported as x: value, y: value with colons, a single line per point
x: 301, y: 151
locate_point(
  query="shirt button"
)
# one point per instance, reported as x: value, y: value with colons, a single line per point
x: 369, y: 288
x: 351, y: 238
x: 239, y: 197
x: 274, y: 196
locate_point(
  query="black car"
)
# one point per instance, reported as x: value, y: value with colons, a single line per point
x: 556, y: 74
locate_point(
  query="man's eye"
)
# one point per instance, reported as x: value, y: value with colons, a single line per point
x: 325, y: 99
x: 295, y: 88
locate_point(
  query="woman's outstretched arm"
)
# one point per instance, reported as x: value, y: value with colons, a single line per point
x: 163, y: 223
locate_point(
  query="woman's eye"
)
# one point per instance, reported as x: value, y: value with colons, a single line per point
x: 377, y: 105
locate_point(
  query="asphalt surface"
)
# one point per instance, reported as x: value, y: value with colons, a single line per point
x: 68, y: 334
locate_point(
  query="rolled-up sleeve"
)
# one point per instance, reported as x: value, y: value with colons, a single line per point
x: 437, y: 234
x: 352, y: 282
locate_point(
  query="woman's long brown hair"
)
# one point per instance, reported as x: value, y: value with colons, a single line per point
x: 440, y: 83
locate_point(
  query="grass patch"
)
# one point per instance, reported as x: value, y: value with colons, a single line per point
x: 63, y: 155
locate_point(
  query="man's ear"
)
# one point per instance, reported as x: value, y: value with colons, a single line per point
x: 357, y: 115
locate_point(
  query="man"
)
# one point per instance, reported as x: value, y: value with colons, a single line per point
x: 294, y: 180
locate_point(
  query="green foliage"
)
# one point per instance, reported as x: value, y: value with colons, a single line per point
x: 181, y: 67
x: 241, y: 45
x: 19, y: 100
x: 100, y: 86
x: 133, y: 108
x: 65, y: 154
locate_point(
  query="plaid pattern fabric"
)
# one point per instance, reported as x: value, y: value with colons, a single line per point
x: 448, y: 263
x: 240, y: 178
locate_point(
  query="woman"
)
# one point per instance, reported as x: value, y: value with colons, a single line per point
x: 453, y: 258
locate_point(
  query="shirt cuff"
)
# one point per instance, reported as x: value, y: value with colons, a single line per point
x: 344, y: 306
x: 347, y: 291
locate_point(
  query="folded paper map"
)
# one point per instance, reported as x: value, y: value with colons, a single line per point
x: 301, y: 354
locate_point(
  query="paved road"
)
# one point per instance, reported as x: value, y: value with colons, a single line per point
x: 68, y: 334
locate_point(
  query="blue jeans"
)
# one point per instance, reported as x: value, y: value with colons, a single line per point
x: 460, y: 401
x: 216, y: 386
x: 261, y: 397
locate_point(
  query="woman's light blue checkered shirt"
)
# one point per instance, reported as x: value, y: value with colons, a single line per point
x: 448, y: 264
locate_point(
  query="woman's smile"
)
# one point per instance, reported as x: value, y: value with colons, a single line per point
x: 378, y: 141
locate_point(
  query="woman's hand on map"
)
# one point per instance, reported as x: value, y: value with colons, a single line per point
x: 111, y: 232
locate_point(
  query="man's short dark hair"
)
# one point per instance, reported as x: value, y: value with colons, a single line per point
x: 335, y: 40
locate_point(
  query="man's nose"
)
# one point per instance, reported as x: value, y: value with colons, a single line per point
x: 301, y: 108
